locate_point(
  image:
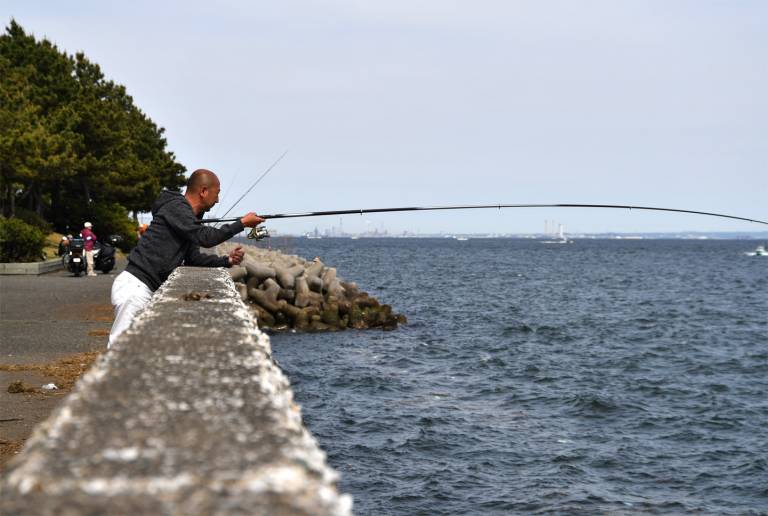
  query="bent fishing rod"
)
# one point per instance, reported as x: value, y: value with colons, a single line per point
x: 260, y: 232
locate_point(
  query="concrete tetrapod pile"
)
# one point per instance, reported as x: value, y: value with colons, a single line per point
x: 286, y: 291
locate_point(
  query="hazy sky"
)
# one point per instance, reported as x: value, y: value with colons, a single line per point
x: 398, y: 103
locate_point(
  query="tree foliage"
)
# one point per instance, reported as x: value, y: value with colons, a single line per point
x: 73, y: 145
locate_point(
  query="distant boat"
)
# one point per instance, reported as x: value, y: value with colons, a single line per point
x: 562, y: 239
x: 461, y: 239
x: 354, y: 237
x: 760, y: 251
x: 313, y: 237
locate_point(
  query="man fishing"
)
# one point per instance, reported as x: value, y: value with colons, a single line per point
x: 174, y: 238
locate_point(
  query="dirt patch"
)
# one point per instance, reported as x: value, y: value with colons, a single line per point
x: 85, y: 312
x: 17, y: 387
x: 103, y: 332
x: 8, y: 449
x: 66, y: 370
x: 23, y: 408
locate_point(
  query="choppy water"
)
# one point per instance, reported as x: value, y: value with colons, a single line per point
x: 599, y: 377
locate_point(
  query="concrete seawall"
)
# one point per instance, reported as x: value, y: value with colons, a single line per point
x: 186, y: 414
x: 35, y: 268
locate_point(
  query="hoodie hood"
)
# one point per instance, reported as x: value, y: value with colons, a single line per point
x: 167, y: 197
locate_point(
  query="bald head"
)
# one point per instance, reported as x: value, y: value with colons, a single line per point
x: 203, y: 189
x: 201, y: 178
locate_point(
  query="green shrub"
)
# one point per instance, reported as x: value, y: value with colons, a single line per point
x: 19, y: 241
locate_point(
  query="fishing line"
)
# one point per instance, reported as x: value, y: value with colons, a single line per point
x: 228, y: 191
x: 262, y: 176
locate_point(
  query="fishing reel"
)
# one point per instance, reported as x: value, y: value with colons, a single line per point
x: 258, y: 233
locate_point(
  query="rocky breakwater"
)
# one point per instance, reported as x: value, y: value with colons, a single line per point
x: 286, y: 291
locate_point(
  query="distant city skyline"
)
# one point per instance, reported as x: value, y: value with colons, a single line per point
x: 434, y: 103
x: 549, y: 232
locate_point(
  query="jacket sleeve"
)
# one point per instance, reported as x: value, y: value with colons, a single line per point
x: 182, y: 221
x: 197, y: 259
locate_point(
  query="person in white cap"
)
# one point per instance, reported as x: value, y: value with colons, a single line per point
x: 90, y: 239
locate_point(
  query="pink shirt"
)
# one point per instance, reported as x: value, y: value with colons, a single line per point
x: 89, y: 237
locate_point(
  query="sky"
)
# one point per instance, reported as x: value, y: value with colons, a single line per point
x: 440, y: 102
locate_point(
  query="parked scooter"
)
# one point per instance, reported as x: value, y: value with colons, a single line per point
x: 104, y: 254
x: 76, y: 256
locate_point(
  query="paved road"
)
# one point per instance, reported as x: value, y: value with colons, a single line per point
x: 43, y: 318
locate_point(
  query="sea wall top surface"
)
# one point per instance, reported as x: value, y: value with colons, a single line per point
x: 186, y: 414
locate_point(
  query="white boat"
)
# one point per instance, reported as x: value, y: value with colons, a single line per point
x: 760, y: 251
x: 562, y: 239
x: 461, y: 238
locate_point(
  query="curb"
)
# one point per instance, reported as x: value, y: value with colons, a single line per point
x: 31, y: 268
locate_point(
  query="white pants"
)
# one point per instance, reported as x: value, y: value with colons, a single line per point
x: 89, y: 263
x: 129, y: 297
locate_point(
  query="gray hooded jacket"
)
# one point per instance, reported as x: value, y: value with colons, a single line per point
x: 173, y: 238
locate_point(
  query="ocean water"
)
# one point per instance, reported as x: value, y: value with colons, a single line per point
x: 618, y: 377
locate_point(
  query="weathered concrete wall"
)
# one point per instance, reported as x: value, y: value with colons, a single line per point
x: 51, y: 265
x: 186, y: 414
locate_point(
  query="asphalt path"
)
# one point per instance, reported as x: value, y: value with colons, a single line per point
x: 47, y: 317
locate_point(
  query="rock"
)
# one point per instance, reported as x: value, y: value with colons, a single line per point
x: 301, y: 322
x: 330, y: 314
x: 302, y: 292
x: 263, y: 317
x: 258, y: 270
x: 315, y: 284
x: 271, y: 288
x: 253, y: 282
x: 316, y: 299
x: 328, y: 277
x: 317, y: 326
x: 281, y: 319
x: 335, y: 289
x: 370, y: 316
x: 238, y: 272
x: 344, y: 306
x: 242, y: 289
x: 365, y: 301
x: 291, y: 311
x: 350, y: 288
x: 285, y: 278
x: 287, y: 294
x: 356, y: 319
x: 260, y: 297
x: 296, y: 270
x: 315, y: 268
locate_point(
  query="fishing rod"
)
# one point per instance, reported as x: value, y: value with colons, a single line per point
x: 260, y: 232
